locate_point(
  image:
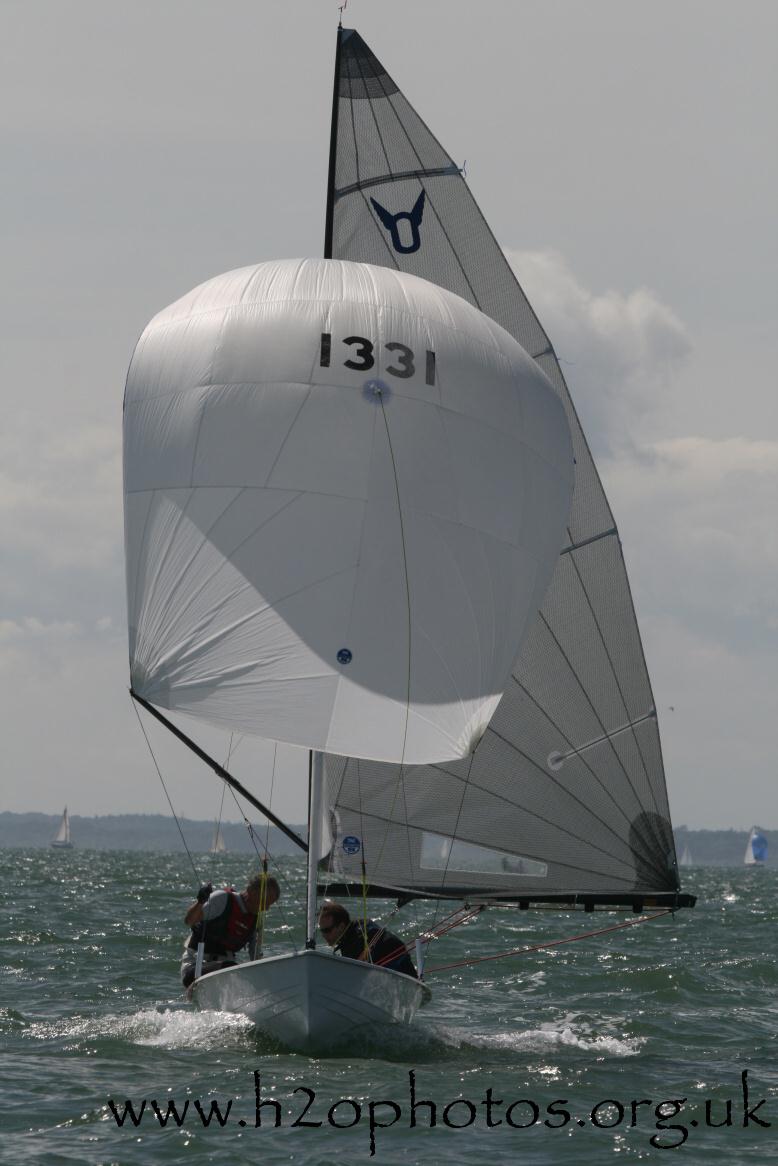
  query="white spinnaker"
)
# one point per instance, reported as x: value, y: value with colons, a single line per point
x: 344, y: 558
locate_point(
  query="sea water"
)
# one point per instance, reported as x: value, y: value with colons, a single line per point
x: 640, y: 1043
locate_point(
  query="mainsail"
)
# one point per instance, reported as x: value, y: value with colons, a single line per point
x: 564, y: 796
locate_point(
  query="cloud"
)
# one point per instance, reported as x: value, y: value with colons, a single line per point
x: 618, y: 351
x: 697, y: 516
x: 715, y: 741
x: 14, y: 631
x: 696, y: 512
x: 60, y: 490
x: 60, y: 511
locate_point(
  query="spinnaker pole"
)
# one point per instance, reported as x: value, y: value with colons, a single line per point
x: 220, y: 770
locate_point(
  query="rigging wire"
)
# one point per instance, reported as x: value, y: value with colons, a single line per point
x: 167, y: 795
x: 247, y: 823
x: 262, y: 906
x: 450, y: 851
x: 282, y: 881
x: 221, y: 805
x: 218, y: 832
x: 551, y: 943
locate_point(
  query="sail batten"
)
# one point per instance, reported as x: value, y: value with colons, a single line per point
x: 579, y: 689
x: 380, y: 179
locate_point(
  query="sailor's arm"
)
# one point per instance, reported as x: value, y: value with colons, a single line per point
x: 195, y: 912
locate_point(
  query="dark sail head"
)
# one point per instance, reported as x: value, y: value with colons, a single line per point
x: 361, y: 73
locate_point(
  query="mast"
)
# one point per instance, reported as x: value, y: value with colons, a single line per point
x: 316, y: 758
x: 333, y: 151
x: 315, y: 804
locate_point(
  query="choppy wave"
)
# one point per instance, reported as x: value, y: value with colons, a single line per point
x: 677, y: 1009
x: 540, y: 1040
x: 174, y: 1027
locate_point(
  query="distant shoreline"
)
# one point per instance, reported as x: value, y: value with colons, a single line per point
x: 149, y: 832
x: 157, y: 832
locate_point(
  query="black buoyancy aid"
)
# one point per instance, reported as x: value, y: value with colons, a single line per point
x: 382, y: 944
x: 228, y: 932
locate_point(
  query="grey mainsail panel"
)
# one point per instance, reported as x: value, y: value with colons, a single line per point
x: 565, y: 791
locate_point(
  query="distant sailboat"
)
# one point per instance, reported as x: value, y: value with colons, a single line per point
x: 61, y: 840
x: 217, y: 846
x: 686, y: 857
x: 756, y: 848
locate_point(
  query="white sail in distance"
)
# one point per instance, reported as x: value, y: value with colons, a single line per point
x: 756, y: 848
x: 62, y: 837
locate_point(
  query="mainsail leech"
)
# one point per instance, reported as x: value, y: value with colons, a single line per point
x: 518, y: 825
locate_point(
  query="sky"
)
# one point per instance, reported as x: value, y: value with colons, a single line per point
x: 624, y: 155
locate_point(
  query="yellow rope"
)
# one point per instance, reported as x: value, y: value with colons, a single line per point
x: 366, y: 952
x: 262, y: 907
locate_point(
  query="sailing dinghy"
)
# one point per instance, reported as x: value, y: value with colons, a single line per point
x: 355, y: 521
x: 217, y: 845
x: 61, y: 840
x: 756, y: 848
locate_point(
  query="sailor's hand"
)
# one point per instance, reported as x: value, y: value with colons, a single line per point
x: 204, y: 894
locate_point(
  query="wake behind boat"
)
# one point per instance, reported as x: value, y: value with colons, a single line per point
x: 361, y: 517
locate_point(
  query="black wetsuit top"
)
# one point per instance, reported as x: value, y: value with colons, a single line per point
x: 382, y: 943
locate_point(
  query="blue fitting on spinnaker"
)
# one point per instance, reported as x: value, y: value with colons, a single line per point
x: 344, y: 656
x: 376, y: 391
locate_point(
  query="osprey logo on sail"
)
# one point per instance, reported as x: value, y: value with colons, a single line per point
x: 391, y: 222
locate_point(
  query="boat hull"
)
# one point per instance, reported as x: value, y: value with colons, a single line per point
x: 311, y: 999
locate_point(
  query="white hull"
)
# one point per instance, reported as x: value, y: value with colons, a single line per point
x: 312, y: 999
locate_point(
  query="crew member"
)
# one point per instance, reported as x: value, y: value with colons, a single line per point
x: 226, y: 921
x: 348, y: 937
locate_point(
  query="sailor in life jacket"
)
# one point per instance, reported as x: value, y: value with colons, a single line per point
x: 348, y: 938
x: 225, y: 921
